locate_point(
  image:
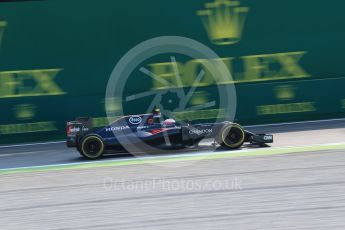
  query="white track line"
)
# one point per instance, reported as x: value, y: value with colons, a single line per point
x: 295, y: 123
x: 27, y: 153
x: 31, y: 144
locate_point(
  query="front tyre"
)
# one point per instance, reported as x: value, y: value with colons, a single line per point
x: 231, y: 136
x: 92, y: 147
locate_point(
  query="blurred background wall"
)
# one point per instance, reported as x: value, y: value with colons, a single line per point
x: 286, y: 58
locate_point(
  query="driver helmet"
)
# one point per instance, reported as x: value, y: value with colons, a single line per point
x: 169, y: 122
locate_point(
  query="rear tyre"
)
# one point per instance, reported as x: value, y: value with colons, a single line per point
x: 231, y: 136
x: 91, y: 147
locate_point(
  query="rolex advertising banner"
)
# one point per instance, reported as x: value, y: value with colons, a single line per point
x: 284, y: 60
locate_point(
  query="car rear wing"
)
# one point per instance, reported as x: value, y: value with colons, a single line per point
x: 80, y: 125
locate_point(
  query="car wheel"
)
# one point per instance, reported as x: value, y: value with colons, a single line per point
x: 92, y: 147
x: 232, y: 136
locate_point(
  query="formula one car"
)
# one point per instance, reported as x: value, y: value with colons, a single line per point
x: 139, y: 131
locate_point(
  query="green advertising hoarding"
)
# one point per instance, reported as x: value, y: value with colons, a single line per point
x: 56, y: 57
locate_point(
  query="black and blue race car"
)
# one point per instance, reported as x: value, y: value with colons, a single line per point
x: 149, y: 132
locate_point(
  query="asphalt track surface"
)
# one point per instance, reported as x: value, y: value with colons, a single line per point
x: 289, y: 191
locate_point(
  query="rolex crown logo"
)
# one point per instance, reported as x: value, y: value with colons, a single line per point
x: 224, y: 21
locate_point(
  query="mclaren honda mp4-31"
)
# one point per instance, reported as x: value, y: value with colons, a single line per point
x: 149, y: 131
